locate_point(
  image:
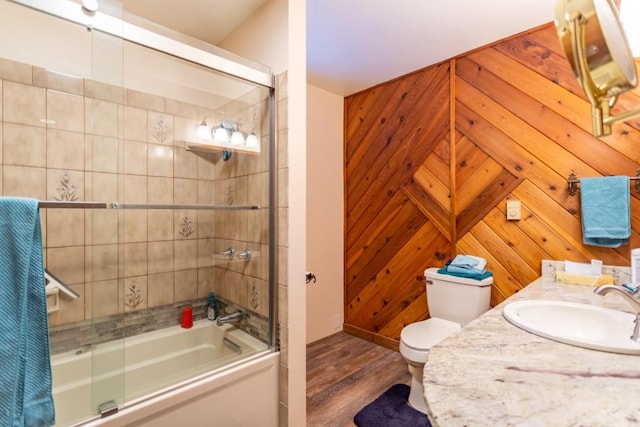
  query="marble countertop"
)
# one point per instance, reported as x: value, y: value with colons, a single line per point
x: 492, y: 373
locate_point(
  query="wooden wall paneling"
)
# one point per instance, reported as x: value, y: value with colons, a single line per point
x: 404, y: 268
x: 429, y: 177
x: 384, y: 247
x: 433, y: 210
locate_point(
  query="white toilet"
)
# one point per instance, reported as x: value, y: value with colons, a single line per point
x: 453, y: 302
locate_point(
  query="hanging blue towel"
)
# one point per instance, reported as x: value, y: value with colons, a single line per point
x: 25, y: 377
x: 605, y: 211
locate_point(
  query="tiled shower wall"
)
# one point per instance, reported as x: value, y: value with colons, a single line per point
x: 75, y: 139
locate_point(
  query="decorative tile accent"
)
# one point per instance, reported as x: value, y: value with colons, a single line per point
x: 67, y: 189
x: 134, y: 296
x: 161, y: 131
x: 186, y: 226
x: 254, y: 296
x: 228, y: 196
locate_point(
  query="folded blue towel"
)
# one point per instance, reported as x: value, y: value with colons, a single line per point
x: 468, y: 275
x: 25, y: 377
x: 605, y: 211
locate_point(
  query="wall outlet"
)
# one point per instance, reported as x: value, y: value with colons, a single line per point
x: 513, y: 210
x: 337, y: 322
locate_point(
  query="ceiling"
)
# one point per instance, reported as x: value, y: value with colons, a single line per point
x: 355, y: 44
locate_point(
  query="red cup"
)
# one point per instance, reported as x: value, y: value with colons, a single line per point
x: 187, y: 318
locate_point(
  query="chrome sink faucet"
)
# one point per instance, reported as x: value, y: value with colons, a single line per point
x: 234, y: 317
x: 631, y: 298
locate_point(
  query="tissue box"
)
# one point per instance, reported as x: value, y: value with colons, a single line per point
x: 583, y: 279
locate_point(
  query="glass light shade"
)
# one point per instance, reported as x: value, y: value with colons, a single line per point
x: 252, y: 140
x: 221, y: 135
x: 203, y: 132
x: 629, y: 15
x: 237, y: 138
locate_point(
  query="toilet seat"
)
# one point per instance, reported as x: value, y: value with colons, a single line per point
x: 417, y: 338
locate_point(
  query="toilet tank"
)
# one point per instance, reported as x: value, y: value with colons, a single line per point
x: 457, y: 299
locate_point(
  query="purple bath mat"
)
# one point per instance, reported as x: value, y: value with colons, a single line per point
x: 391, y: 410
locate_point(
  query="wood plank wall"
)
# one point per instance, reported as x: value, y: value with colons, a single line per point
x: 432, y: 157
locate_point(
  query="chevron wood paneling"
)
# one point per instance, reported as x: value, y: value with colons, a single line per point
x: 514, y: 122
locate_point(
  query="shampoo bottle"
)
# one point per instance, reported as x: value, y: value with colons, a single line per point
x: 212, y: 308
x: 635, y: 267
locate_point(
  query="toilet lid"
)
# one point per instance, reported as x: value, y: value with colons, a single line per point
x: 424, y: 335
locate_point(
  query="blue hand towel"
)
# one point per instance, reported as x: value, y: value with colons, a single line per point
x: 468, y: 274
x: 605, y: 211
x: 25, y: 377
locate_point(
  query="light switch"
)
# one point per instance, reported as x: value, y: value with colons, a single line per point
x: 513, y: 210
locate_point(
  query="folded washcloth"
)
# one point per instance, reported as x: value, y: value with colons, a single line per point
x: 468, y: 262
x: 605, y: 211
x: 467, y: 274
x: 25, y: 377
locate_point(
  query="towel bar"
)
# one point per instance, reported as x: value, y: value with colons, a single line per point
x: 573, y: 181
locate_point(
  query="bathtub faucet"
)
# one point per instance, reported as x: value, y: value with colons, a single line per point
x: 234, y: 317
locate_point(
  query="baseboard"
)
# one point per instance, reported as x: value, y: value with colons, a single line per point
x: 371, y: 337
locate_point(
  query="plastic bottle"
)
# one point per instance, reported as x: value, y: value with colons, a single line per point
x: 635, y: 266
x: 212, y: 308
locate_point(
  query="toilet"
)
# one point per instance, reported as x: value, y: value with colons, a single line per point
x: 453, y: 302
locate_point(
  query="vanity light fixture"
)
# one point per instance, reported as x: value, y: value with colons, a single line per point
x: 226, y: 134
x: 595, y: 43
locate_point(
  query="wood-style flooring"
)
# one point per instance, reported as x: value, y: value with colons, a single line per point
x: 344, y: 374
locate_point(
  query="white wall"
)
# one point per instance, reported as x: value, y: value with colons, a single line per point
x: 325, y: 212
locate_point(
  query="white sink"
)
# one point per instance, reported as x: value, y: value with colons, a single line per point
x: 582, y: 325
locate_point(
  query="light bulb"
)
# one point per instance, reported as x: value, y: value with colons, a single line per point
x: 202, y: 131
x: 237, y: 138
x: 252, y: 140
x: 221, y: 135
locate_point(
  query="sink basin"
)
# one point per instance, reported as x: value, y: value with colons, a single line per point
x: 582, y: 325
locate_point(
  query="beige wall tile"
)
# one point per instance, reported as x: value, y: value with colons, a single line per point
x: 185, y: 191
x: 160, y: 160
x: 206, y: 192
x: 135, y: 158
x: 101, y: 118
x: 160, y: 287
x: 102, y: 187
x: 65, y: 150
x: 135, y: 189
x: 23, y: 104
x: 135, y: 225
x: 144, y: 100
x: 184, y: 130
x: 65, y: 111
x: 101, y: 299
x: 102, y: 226
x: 179, y: 108
x: 206, y: 281
x: 58, y: 81
x: 186, y: 224
x: 67, y: 263
x: 134, y: 293
x: 160, y: 190
x: 65, y: 227
x: 135, y: 124
x: 206, y: 252
x: 206, y: 223
x: 185, y: 285
x: 207, y: 165
x: 135, y: 259
x: 185, y: 163
x: 1, y: 118
x: 186, y: 254
x: 102, y: 263
x: 160, y: 225
x: 160, y: 128
x: 24, y: 182
x: 15, y: 71
x: 103, y: 91
x: 65, y: 185
x: 24, y: 145
x: 160, y: 257
x: 101, y: 154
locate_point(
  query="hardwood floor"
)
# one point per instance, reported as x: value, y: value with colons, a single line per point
x: 344, y: 374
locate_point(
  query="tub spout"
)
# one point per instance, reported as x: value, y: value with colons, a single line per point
x: 234, y: 317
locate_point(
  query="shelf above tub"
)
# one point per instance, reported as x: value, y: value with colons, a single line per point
x: 213, y: 147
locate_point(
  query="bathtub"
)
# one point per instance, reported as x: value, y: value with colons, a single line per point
x: 160, y: 368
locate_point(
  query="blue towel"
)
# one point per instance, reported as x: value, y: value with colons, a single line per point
x: 468, y: 275
x: 605, y: 211
x: 25, y: 377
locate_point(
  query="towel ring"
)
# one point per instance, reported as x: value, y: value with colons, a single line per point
x: 573, y: 181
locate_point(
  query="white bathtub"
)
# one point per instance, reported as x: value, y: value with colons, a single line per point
x: 156, y: 366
